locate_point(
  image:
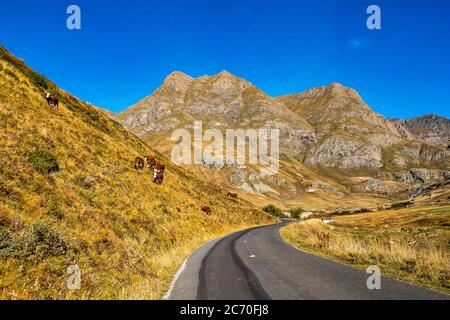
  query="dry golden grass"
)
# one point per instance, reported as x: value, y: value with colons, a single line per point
x: 410, y: 244
x: 69, y: 194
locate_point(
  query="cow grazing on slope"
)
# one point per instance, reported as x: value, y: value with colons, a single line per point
x: 139, y: 163
x: 232, y: 195
x: 158, y: 173
x: 207, y: 210
x: 52, y: 100
x: 151, y: 162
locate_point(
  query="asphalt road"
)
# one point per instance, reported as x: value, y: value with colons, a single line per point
x: 256, y: 264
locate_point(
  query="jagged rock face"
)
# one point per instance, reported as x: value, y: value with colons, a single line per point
x: 418, y: 176
x: 430, y: 128
x: 345, y: 153
x: 252, y: 182
x: 326, y: 187
x: 375, y: 186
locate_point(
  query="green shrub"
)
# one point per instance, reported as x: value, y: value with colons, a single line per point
x: 274, y: 211
x: 295, y: 213
x: 43, y: 162
x: 42, y: 240
x: 39, y: 80
x: 9, y: 245
x: 39, y: 240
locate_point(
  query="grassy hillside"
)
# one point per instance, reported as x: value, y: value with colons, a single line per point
x: 69, y: 194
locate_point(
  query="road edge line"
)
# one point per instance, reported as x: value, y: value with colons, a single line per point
x: 182, y: 268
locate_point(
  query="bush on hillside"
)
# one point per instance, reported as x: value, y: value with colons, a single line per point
x: 274, y: 211
x: 39, y: 241
x: 296, y: 213
x: 43, y: 162
x: 39, y: 80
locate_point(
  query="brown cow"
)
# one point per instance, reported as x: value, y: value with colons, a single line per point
x: 139, y: 163
x: 158, y: 173
x: 52, y: 100
x: 206, y: 210
x: 232, y: 195
x: 151, y: 162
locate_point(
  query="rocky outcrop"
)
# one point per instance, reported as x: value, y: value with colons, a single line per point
x: 371, y: 185
x: 328, y: 188
x: 418, y: 176
x: 344, y: 153
x: 251, y: 181
x: 430, y: 128
x: 428, y: 189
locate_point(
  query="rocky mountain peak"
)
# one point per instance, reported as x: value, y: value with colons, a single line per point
x: 225, y: 83
x: 177, y: 81
x: 225, y: 74
x: 336, y: 86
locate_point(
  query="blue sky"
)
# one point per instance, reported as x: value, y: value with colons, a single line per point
x: 125, y: 49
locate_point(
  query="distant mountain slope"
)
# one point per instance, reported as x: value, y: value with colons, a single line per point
x: 335, y: 149
x: 69, y: 194
x: 350, y: 134
x: 430, y: 128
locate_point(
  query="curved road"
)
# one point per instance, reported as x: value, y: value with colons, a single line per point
x: 256, y: 264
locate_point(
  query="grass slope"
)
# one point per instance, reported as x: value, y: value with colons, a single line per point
x: 412, y: 244
x: 69, y: 194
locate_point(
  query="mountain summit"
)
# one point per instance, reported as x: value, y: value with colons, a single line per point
x: 222, y: 100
